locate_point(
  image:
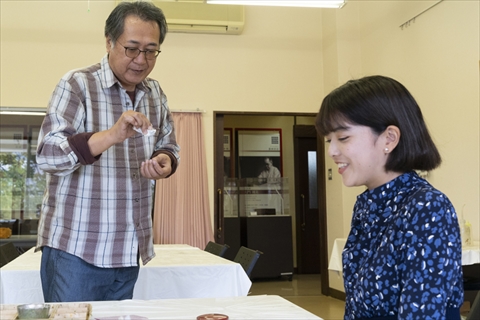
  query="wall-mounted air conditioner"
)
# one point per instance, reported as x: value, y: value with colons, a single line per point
x: 195, y: 16
x: 259, y: 143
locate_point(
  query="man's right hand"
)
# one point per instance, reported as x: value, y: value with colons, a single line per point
x: 121, y: 130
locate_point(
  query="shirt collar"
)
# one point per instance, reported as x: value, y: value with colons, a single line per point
x: 383, y: 199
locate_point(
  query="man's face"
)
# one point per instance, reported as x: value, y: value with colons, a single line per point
x: 143, y: 35
x: 268, y: 164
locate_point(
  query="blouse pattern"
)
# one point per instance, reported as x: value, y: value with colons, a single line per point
x: 403, y: 254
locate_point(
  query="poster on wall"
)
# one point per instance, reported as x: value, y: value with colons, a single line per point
x: 259, y: 153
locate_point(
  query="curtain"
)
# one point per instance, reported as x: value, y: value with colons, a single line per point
x: 181, y: 206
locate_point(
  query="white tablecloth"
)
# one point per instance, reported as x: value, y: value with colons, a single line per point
x: 471, y: 254
x: 177, y: 272
x: 263, y: 307
x: 335, y: 263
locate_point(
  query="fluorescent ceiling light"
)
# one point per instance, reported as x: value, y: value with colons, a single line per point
x: 23, y: 113
x: 284, y: 3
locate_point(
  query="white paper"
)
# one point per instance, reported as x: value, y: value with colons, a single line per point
x: 150, y: 131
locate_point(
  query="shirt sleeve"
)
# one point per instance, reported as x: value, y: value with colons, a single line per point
x: 63, y: 120
x: 79, y: 144
x: 166, y: 141
x: 432, y: 269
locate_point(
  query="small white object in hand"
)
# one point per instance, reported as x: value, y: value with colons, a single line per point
x: 150, y: 131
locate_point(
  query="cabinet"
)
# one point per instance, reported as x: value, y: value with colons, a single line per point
x: 271, y: 235
x: 257, y: 217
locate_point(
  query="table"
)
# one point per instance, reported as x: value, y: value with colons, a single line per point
x: 177, y: 272
x: 263, y: 307
x: 182, y: 271
x: 335, y: 263
x: 470, y: 254
x: 22, y: 242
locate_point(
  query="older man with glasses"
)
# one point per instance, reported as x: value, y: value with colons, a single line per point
x: 107, y: 133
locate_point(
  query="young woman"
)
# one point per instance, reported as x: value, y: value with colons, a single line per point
x: 402, y: 259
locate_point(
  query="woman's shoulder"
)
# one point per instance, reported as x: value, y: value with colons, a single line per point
x: 424, y: 204
x: 421, y: 191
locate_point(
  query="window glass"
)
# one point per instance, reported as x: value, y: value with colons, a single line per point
x: 22, y: 183
x: 312, y: 179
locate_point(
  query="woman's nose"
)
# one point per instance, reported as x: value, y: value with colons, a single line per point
x: 332, y: 150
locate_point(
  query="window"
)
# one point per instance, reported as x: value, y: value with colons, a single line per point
x: 22, y: 184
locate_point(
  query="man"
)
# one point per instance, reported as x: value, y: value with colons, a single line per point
x: 107, y: 132
x: 270, y: 172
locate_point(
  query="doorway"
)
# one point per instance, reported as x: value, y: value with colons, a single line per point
x: 306, y: 200
x: 267, y: 120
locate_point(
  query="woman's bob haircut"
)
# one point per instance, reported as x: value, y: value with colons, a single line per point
x: 378, y: 102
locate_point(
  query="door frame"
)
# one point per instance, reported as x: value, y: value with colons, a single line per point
x: 218, y: 185
x: 308, y: 131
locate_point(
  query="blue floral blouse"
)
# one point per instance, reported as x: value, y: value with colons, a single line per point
x: 403, y: 254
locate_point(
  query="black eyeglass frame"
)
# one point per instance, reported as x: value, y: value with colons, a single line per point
x: 138, y: 52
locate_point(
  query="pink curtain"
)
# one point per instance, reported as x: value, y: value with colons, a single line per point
x: 181, y: 209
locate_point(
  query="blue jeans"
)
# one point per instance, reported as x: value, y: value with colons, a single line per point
x: 67, y: 278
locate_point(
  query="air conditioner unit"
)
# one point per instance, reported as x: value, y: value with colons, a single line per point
x: 253, y: 143
x: 195, y: 16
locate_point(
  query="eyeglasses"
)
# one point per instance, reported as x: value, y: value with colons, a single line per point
x: 135, y: 52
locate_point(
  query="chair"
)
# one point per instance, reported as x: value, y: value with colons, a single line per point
x: 471, y: 285
x: 474, y: 313
x: 8, y: 252
x: 216, y: 248
x: 247, y: 258
x: 29, y: 226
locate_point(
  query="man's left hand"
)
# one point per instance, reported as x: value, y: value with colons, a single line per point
x: 157, y: 168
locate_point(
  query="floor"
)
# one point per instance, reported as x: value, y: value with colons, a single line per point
x: 304, y: 291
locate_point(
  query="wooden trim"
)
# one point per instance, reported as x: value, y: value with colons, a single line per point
x: 337, y: 294
x: 218, y: 224
x: 322, y: 209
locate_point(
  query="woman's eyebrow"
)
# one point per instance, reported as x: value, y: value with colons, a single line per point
x: 341, y: 128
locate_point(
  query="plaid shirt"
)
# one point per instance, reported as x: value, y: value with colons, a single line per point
x: 99, y: 209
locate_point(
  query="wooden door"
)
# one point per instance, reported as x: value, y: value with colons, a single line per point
x: 306, y: 200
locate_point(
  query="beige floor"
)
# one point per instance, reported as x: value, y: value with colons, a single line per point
x: 304, y: 291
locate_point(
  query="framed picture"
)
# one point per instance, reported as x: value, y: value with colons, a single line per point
x: 259, y: 153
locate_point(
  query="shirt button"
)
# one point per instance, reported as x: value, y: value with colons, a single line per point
x: 134, y: 176
x: 136, y: 199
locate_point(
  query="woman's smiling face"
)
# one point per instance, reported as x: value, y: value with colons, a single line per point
x: 360, y: 155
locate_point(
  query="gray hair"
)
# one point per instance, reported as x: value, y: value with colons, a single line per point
x: 147, y: 11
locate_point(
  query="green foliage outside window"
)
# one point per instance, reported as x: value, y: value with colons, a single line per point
x: 22, y: 185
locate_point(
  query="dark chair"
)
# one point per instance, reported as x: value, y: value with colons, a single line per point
x: 216, y: 248
x: 29, y: 226
x: 471, y: 283
x: 247, y: 258
x: 8, y: 252
x: 474, y: 313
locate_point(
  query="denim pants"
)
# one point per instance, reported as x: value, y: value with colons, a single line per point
x: 67, y: 278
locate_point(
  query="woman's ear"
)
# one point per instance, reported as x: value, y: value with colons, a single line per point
x: 392, y: 137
